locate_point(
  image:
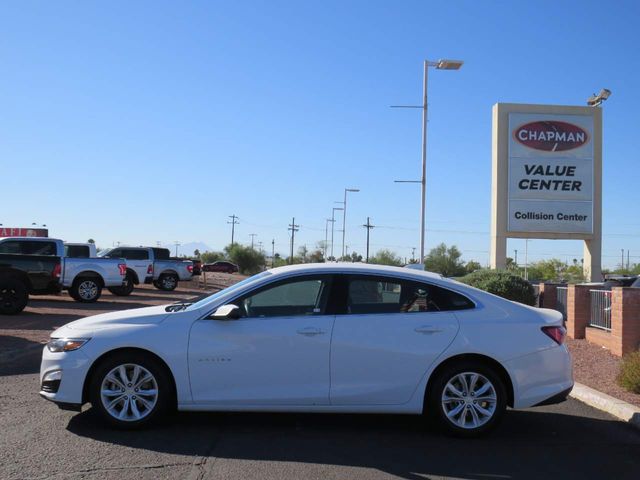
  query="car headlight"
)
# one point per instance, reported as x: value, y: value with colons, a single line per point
x: 56, y: 345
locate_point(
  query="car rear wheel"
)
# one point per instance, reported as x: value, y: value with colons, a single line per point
x: 13, y: 296
x: 167, y: 282
x: 86, y: 290
x: 130, y: 390
x: 126, y: 289
x: 467, y: 399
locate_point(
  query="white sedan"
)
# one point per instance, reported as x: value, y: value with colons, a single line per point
x: 316, y: 338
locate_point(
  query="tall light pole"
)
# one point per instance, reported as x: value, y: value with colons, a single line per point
x: 333, y: 224
x: 439, y: 65
x: 326, y: 237
x: 344, y: 214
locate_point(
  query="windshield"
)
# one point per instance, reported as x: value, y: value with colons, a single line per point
x: 237, y: 286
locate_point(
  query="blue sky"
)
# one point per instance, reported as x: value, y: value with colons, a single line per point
x: 141, y: 122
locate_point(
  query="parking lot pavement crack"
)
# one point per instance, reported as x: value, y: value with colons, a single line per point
x: 202, y: 466
x: 67, y: 474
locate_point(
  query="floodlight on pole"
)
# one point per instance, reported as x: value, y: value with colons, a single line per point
x: 442, y: 64
x: 596, y: 100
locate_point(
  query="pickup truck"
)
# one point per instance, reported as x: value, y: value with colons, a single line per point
x: 84, y: 278
x: 80, y: 250
x: 149, y: 265
x: 24, y: 275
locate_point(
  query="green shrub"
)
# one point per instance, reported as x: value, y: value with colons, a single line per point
x: 629, y: 376
x: 502, y: 284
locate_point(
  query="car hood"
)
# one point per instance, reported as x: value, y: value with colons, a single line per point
x: 138, y: 316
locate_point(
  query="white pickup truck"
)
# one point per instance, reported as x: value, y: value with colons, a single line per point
x: 84, y: 278
x: 149, y: 265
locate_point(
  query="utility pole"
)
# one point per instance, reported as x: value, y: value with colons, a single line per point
x: 516, y: 257
x: 333, y: 224
x: 177, y: 244
x: 628, y: 265
x: 344, y: 216
x: 368, y: 226
x: 273, y: 252
x: 326, y: 237
x: 622, y: 262
x: 413, y: 255
x: 252, y: 235
x: 294, y: 228
x: 233, y: 222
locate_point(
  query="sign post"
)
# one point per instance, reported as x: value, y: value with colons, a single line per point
x: 547, y: 178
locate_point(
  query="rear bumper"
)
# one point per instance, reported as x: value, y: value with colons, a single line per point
x: 557, y: 398
x: 541, y: 376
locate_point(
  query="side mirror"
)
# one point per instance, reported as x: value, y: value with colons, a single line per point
x: 226, y: 312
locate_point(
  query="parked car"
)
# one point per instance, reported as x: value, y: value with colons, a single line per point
x: 24, y: 275
x: 197, y: 267
x: 149, y: 265
x: 348, y: 338
x: 84, y: 278
x: 619, y: 281
x: 220, y: 266
x: 80, y: 250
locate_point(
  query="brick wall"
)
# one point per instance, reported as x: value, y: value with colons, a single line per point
x: 625, y: 319
x: 578, y: 310
x: 549, y: 295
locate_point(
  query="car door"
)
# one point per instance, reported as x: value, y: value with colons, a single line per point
x: 277, y: 353
x: 138, y: 261
x: 389, y: 333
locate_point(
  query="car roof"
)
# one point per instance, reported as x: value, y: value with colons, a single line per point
x: 344, y: 267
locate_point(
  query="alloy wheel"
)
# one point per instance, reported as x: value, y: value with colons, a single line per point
x: 469, y: 400
x: 88, y: 290
x: 129, y: 392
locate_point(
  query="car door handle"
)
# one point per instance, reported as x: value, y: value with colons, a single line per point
x: 310, y: 331
x: 427, y: 330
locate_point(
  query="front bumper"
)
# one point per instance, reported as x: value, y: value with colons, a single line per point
x: 74, y: 367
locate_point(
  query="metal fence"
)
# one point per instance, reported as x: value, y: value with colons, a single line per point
x: 600, y: 309
x: 561, y: 301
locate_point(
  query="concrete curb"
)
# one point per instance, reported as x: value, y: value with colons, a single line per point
x: 619, y: 409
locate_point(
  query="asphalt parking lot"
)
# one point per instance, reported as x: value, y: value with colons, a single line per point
x: 39, y: 441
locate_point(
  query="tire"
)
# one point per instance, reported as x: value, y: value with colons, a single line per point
x: 123, y: 404
x: 475, y: 417
x: 167, y: 282
x: 13, y: 296
x: 126, y: 289
x: 86, y: 290
x: 157, y: 284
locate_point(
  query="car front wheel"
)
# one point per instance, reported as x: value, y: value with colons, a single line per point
x: 467, y: 399
x: 130, y: 390
x: 167, y: 282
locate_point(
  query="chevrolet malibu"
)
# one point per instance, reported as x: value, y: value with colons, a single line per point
x: 316, y: 338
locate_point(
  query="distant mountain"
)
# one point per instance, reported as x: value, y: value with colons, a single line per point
x: 188, y: 248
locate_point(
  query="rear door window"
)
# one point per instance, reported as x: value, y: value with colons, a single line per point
x: 76, y: 251
x: 375, y: 295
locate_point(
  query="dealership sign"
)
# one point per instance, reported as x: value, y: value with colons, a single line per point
x: 23, y: 232
x: 550, y: 179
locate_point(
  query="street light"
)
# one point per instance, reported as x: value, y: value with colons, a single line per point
x: 443, y: 64
x: 344, y: 214
x: 333, y: 223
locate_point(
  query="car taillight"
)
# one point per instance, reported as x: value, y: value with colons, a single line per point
x: 150, y: 270
x: 57, y: 271
x: 123, y: 268
x: 190, y: 268
x: 557, y: 334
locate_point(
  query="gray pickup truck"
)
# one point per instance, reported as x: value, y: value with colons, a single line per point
x: 84, y: 278
x: 150, y: 265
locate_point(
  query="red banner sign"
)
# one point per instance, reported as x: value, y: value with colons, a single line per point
x: 23, y: 232
x: 551, y: 135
